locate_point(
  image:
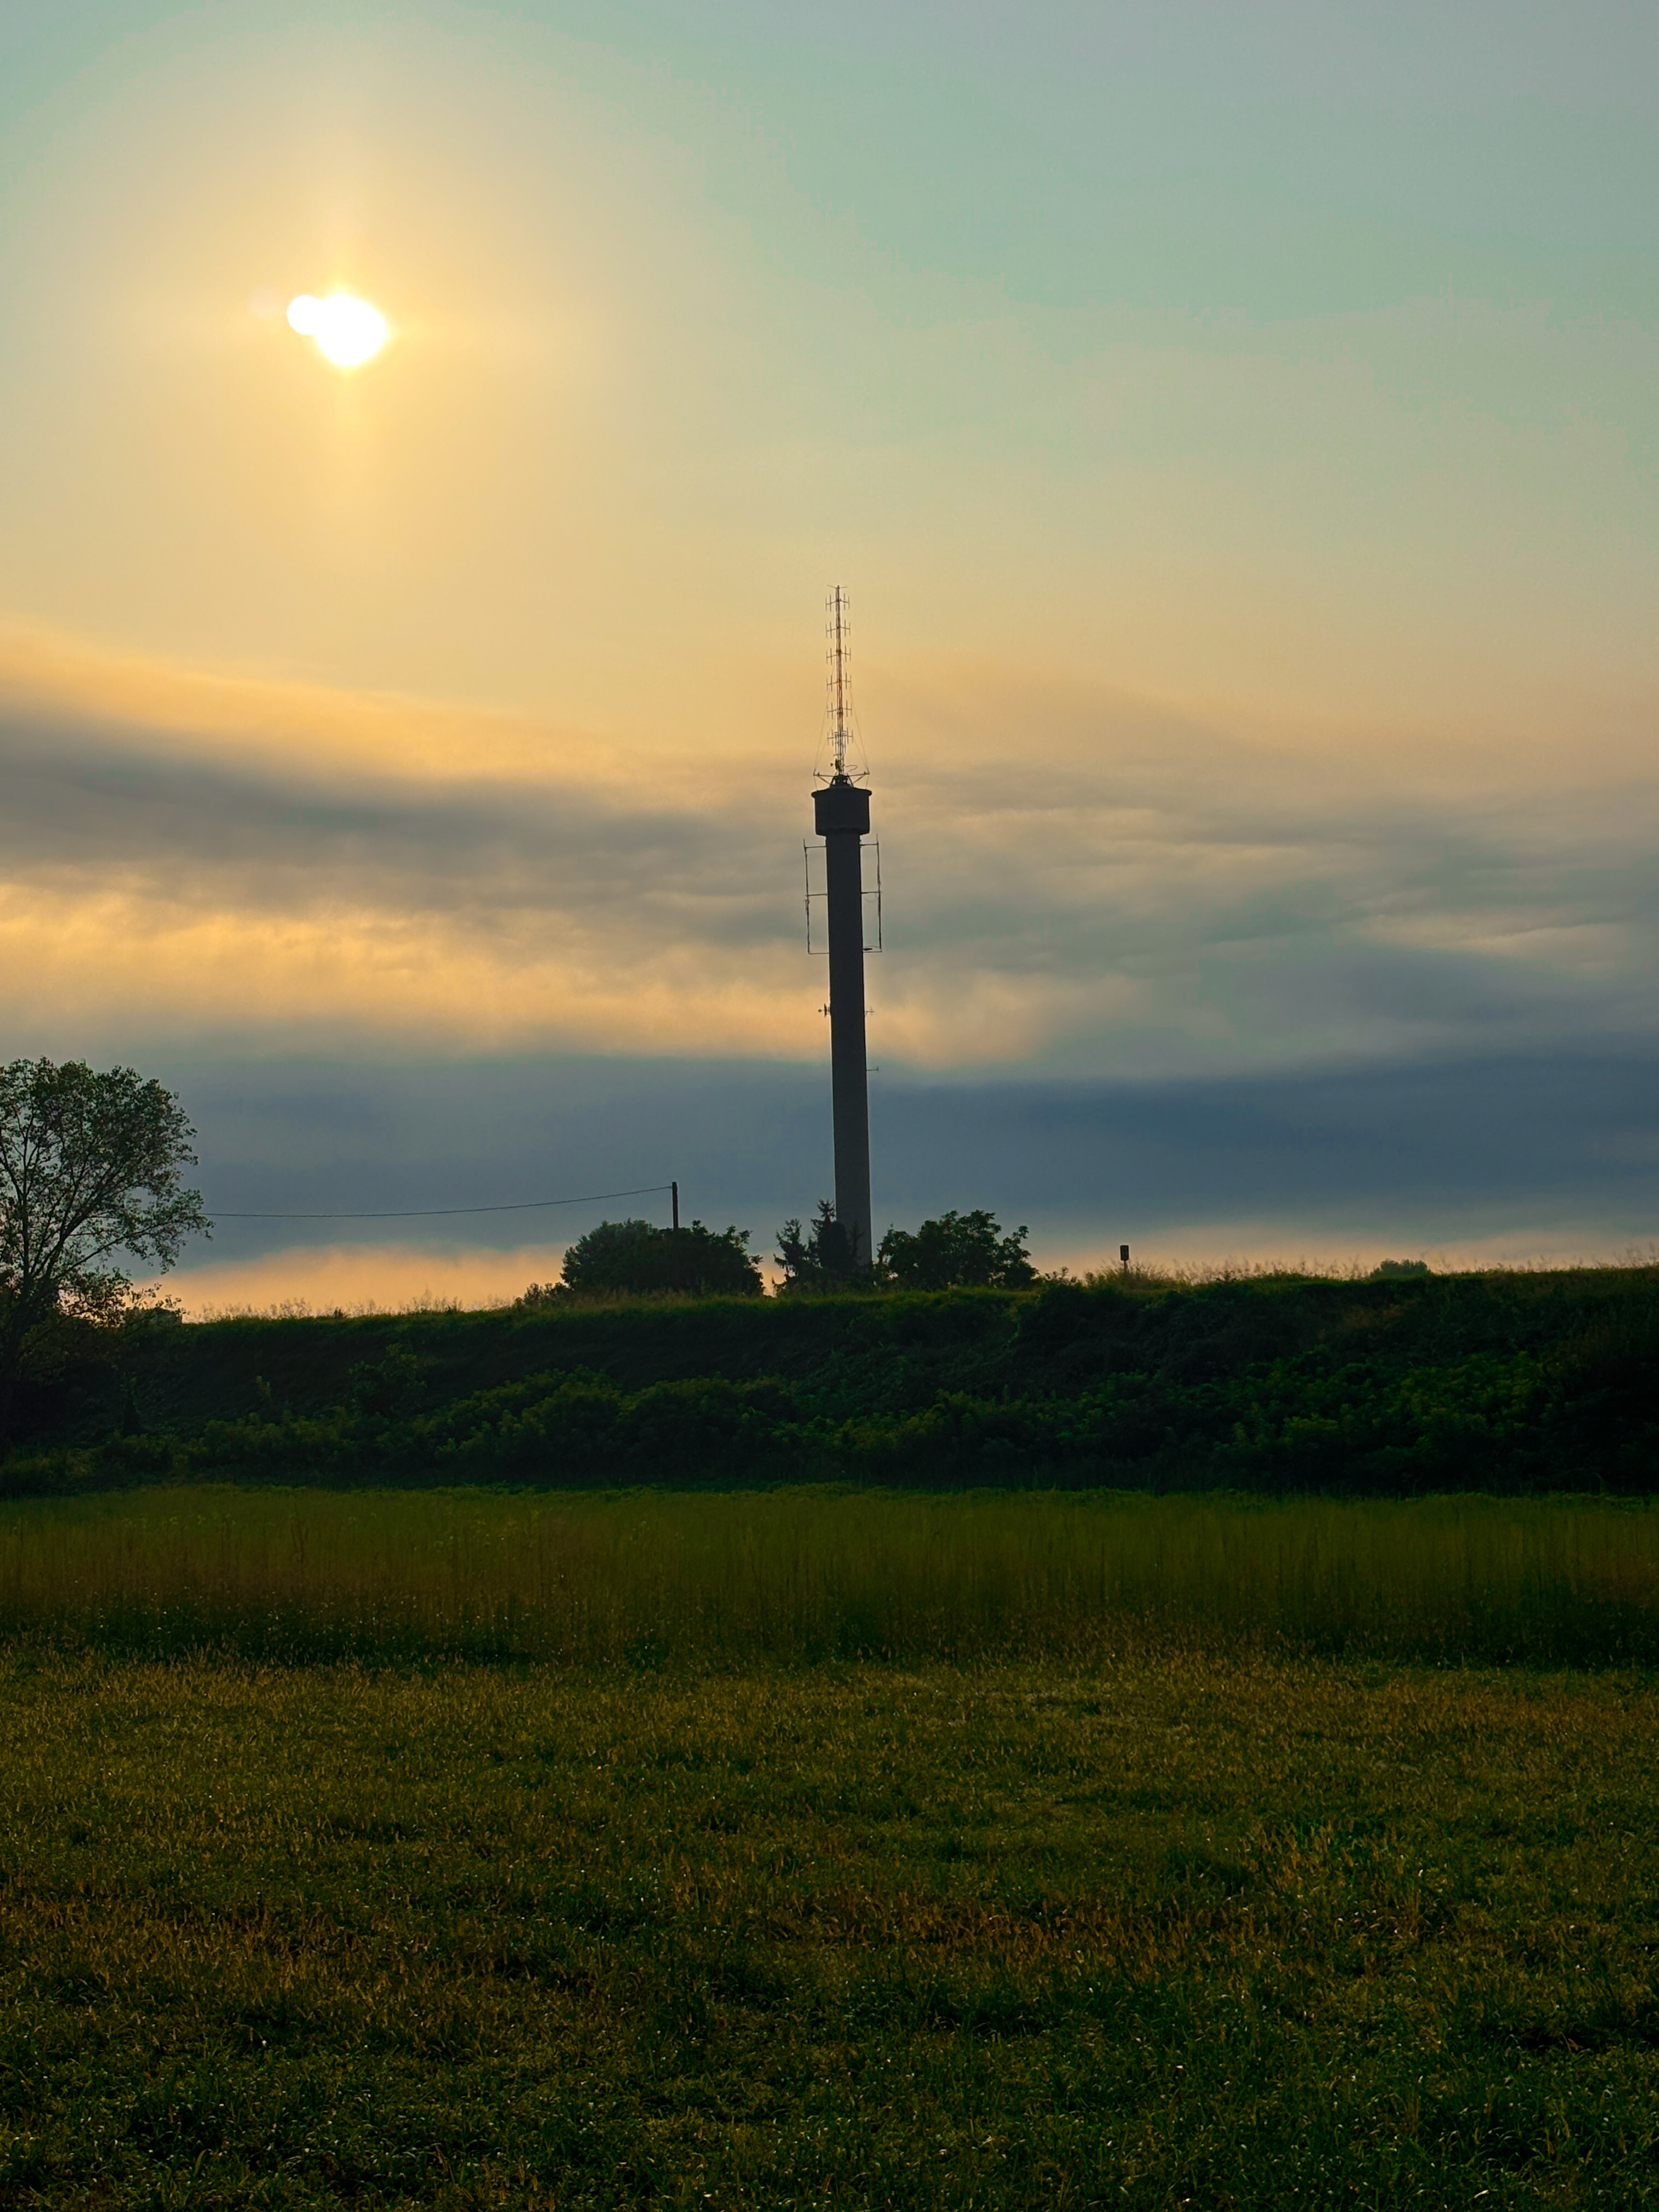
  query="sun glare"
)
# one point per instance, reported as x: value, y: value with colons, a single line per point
x: 346, y: 331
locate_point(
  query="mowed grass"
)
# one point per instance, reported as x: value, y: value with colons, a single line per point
x: 801, y: 1575
x: 1169, y: 1929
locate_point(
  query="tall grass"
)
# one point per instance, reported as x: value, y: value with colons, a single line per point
x: 802, y: 1574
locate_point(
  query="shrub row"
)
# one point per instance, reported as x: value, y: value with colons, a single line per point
x: 1522, y: 1421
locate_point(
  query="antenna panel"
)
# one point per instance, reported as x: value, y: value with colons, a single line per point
x: 817, y: 896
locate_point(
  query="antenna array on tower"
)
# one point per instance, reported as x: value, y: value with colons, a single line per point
x: 841, y: 742
x: 840, y: 674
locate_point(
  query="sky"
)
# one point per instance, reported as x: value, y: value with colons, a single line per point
x: 1234, y: 427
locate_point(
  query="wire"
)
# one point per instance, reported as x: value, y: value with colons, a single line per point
x: 431, y: 1213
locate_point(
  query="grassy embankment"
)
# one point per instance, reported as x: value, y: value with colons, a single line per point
x: 1520, y: 1382
x: 1148, y: 1931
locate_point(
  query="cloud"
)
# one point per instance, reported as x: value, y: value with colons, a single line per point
x: 1073, y: 880
x: 1485, y: 1155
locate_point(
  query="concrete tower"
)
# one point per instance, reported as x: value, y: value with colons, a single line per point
x: 841, y: 805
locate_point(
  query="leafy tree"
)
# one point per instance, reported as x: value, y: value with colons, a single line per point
x: 89, y: 1168
x: 819, y: 1258
x: 958, y: 1251
x: 637, y: 1255
x: 1388, y: 1269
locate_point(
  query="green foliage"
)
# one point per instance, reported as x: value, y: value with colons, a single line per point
x: 637, y: 1256
x: 1518, y: 1383
x: 1387, y: 1270
x: 1152, y: 1931
x: 89, y: 1168
x: 820, y: 1258
x: 959, y: 1251
x: 380, y: 1389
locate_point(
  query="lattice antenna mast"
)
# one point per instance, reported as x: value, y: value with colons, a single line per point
x: 841, y: 677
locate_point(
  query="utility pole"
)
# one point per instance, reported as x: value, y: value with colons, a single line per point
x: 841, y: 817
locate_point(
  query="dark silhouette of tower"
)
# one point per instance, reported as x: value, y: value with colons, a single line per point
x: 841, y: 808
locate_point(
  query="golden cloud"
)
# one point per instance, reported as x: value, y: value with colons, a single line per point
x: 190, y: 853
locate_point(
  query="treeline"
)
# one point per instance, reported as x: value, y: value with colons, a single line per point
x: 958, y: 1251
x: 1521, y: 1383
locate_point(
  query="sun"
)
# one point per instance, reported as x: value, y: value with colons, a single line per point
x: 345, y: 330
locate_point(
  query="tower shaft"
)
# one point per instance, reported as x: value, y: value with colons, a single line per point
x: 842, y: 812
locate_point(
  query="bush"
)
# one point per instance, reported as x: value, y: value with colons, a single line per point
x: 637, y: 1255
x: 959, y: 1251
x: 1521, y: 1383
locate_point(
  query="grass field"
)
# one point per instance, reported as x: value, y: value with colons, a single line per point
x: 1141, y: 1867
x: 1158, y: 1932
x: 802, y: 1574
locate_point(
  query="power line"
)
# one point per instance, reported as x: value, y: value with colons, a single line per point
x: 431, y: 1213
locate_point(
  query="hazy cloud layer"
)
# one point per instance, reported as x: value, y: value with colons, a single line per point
x: 1511, y: 1155
x: 1073, y: 882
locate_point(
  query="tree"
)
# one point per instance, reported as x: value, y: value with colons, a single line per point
x: 959, y: 1251
x: 816, y: 1259
x: 89, y: 1168
x: 637, y: 1255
